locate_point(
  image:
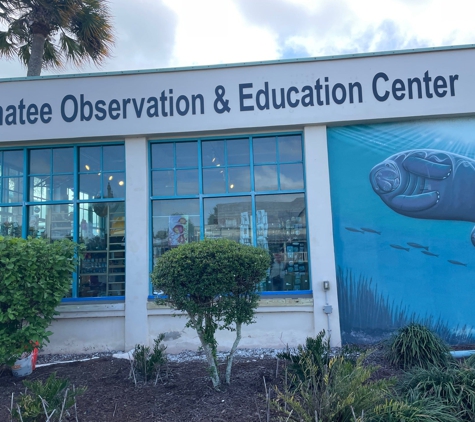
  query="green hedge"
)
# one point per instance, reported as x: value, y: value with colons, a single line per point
x: 34, y: 276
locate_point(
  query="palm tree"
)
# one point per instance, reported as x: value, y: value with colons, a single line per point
x: 48, y: 33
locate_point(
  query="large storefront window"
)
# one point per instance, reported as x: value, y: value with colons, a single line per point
x: 74, y: 192
x: 248, y: 189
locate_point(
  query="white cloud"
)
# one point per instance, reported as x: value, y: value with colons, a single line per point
x: 167, y: 33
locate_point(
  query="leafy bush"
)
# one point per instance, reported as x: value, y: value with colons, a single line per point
x: 48, y: 401
x: 416, y: 410
x: 316, y: 349
x: 454, y: 386
x: 416, y: 345
x: 34, y: 276
x: 216, y: 283
x: 335, y: 392
x: 148, y: 362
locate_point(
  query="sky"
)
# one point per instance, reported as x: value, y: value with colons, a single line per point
x: 154, y: 34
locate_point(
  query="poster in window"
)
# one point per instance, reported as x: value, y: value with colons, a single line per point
x: 177, y: 230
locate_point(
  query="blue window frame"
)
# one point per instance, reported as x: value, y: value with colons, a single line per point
x: 247, y: 188
x: 75, y: 192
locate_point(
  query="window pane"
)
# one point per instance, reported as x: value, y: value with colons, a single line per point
x: 63, y: 160
x: 12, y: 189
x: 291, y: 176
x: 229, y: 218
x: 12, y: 163
x: 239, y: 179
x: 214, y: 181
x: 283, y: 220
x: 63, y: 188
x: 163, y: 183
x: 264, y: 150
x: 290, y: 148
x: 187, y: 182
x: 52, y: 222
x: 40, y: 188
x: 113, y: 185
x: 113, y: 158
x: 213, y: 153
x: 187, y: 154
x: 40, y: 161
x: 90, y: 159
x: 102, y: 230
x: 11, y: 221
x: 174, y: 222
x: 162, y: 156
x: 238, y: 151
x: 265, y: 178
x: 90, y: 186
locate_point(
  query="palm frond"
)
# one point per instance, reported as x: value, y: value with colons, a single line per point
x: 7, y: 46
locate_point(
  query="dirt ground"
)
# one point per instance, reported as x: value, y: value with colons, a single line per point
x: 186, y: 396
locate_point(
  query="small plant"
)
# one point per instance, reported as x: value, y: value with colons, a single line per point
x: 453, y: 385
x: 148, y: 362
x: 415, y: 410
x: 339, y: 391
x: 316, y: 349
x: 46, y: 401
x: 416, y: 345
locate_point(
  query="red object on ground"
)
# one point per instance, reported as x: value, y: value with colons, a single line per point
x: 34, y: 356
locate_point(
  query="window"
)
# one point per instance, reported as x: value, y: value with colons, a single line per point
x: 72, y: 192
x: 248, y: 189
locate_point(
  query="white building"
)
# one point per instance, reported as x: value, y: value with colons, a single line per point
x: 273, y: 154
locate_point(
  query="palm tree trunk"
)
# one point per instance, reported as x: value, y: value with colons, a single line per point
x: 36, y: 59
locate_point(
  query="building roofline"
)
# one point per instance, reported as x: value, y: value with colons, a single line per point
x: 244, y: 64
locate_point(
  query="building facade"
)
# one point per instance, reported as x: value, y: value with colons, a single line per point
x: 355, y: 173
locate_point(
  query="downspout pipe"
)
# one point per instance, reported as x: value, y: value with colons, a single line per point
x: 459, y: 354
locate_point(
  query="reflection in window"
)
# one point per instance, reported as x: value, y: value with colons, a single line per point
x: 102, y: 230
x: 52, y: 222
x: 175, y: 222
x: 281, y: 225
x: 53, y: 208
x: 250, y: 190
x: 51, y: 174
x: 11, y: 221
x: 229, y: 218
x: 11, y: 180
x: 101, y: 172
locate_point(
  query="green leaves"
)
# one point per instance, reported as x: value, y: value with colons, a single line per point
x: 416, y: 345
x: 74, y: 30
x: 214, y: 281
x: 34, y: 276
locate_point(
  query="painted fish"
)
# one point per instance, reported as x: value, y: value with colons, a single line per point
x: 429, y: 253
x: 351, y: 229
x: 400, y: 247
x: 457, y: 263
x: 416, y: 245
x: 370, y: 230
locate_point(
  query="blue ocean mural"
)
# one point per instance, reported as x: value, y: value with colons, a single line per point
x: 403, y: 202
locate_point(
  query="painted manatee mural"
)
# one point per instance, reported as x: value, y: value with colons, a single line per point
x: 427, y: 184
x: 402, y: 238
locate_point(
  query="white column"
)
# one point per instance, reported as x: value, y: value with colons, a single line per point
x: 320, y: 229
x: 137, y: 242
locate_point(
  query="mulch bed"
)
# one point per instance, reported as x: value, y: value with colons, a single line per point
x: 186, y: 396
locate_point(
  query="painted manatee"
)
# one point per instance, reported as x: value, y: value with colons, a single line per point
x: 427, y: 184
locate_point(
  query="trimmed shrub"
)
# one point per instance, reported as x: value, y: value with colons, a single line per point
x: 215, y: 282
x: 34, y: 276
